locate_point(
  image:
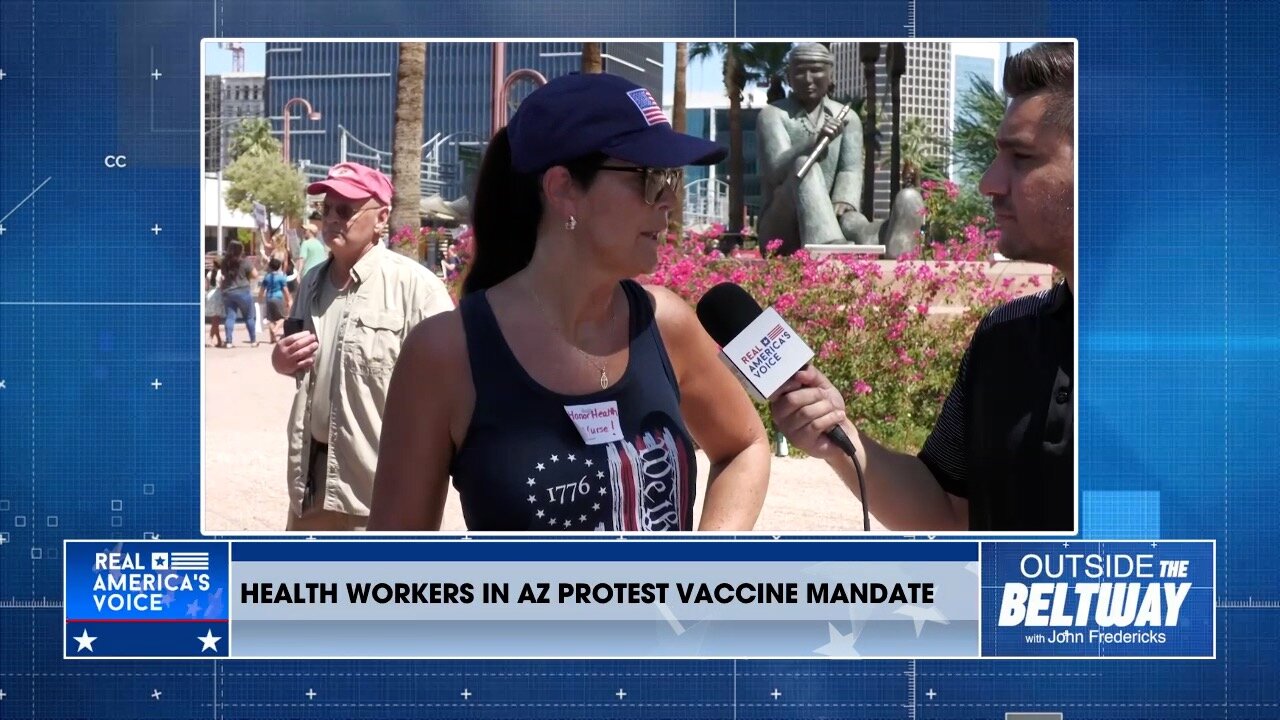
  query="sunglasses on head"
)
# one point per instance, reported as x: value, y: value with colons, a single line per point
x: 344, y: 211
x: 656, y: 180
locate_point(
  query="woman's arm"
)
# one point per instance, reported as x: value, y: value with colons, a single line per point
x: 720, y: 417
x: 428, y: 385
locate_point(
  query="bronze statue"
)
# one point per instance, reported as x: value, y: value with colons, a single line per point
x: 819, y: 206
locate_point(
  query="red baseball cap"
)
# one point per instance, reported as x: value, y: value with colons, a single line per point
x: 354, y: 182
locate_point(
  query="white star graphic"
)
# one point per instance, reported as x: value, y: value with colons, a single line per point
x: 193, y: 608
x: 85, y: 641
x: 531, y: 498
x: 540, y: 467
x: 573, y: 458
x: 921, y: 615
x: 600, y: 475
x: 209, y: 641
x: 582, y: 518
x: 539, y: 514
x: 530, y: 483
x: 555, y: 458
x: 567, y: 522
x: 596, y: 506
x: 839, y: 645
x: 602, y: 490
x: 553, y: 521
x: 588, y: 462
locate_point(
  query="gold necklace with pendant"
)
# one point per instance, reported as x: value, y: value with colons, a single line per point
x: 603, y: 367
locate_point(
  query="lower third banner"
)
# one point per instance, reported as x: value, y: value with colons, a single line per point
x: 604, y: 599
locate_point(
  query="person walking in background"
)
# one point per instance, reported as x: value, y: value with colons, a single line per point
x: 274, y: 294
x: 311, y: 253
x: 214, y: 313
x: 237, y: 298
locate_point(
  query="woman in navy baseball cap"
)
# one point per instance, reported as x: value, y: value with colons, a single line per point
x: 562, y: 395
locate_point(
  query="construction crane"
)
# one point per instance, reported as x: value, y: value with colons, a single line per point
x: 237, y: 55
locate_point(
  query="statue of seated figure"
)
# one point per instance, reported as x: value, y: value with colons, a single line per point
x: 821, y: 207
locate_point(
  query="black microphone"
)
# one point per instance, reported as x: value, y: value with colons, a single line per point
x: 764, y: 352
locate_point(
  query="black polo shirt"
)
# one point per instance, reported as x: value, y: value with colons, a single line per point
x: 1004, y: 437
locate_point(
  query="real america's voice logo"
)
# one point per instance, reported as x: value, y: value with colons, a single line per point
x: 766, y: 353
x: 146, y: 582
x: 1128, y: 598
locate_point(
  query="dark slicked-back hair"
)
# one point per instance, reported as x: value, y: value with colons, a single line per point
x: 1048, y: 68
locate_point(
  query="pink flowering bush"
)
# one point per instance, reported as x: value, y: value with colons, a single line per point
x: 955, y: 216
x: 416, y: 242
x: 889, y: 334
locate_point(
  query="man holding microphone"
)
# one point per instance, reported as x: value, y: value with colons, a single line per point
x: 1000, y: 457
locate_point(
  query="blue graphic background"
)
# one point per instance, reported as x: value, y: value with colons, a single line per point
x: 1178, y: 359
x: 1191, y: 637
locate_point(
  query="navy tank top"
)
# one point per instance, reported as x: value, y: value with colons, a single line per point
x: 524, y: 464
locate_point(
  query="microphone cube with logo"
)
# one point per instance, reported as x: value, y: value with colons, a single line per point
x: 758, y: 345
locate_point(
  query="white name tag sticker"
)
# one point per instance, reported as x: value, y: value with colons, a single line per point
x: 597, y: 423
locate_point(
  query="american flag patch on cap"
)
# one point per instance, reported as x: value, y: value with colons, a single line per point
x: 649, y: 107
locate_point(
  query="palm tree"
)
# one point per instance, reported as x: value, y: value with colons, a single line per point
x: 735, y: 78
x: 406, y: 156
x: 252, y: 138
x: 973, y: 144
x: 922, y: 158
x: 766, y: 63
x: 679, y: 123
x: 591, y: 60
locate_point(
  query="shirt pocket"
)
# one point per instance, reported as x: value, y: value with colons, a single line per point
x: 372, y: 342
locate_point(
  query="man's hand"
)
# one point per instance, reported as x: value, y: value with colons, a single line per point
x: 295, y: 352
x: 805, y: 408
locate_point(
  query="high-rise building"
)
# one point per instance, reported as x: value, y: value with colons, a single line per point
x: 353, y: 86
x: 926, y: 92
x: 213, y: 115
x: 239, y: 96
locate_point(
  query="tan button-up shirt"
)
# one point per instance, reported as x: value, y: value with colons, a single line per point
x: 392, y: 293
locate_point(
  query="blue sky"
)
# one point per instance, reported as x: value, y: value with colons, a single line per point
x: 218, y: 61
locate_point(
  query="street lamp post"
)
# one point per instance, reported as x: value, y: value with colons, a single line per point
x: 311, y: 115
x: 503, y: 87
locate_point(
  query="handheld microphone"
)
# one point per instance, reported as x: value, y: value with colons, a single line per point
x: 764, y: 352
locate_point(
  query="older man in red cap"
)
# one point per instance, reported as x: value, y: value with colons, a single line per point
x: 355, y: 309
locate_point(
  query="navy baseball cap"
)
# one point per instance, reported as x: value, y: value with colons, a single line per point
x: 576, y: 115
